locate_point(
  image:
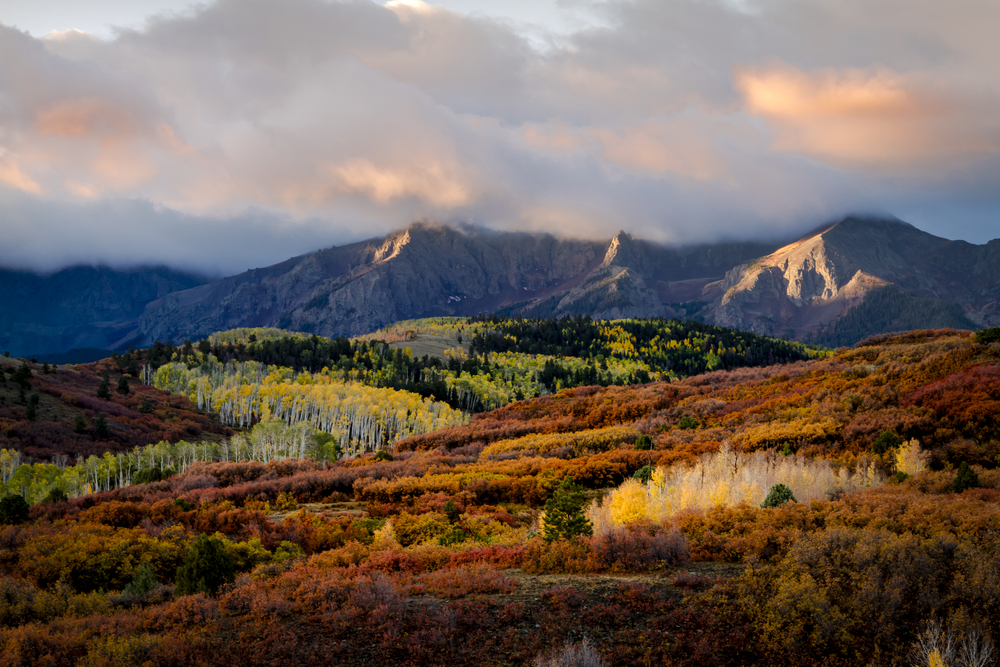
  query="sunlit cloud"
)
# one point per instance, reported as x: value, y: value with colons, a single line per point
x: 12, y: 176
x: 878, y: 119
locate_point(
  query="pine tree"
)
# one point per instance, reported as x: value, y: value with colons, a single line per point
x: 101, y: 428
x: 123, y: 388
x: 564, y: 516
x: 965, y: 478
x: 142, y: 582
x: 451, y: 510
x: 643, y: 442
x: 13, y: 509
x: 206, y: 568
x: 104, y: 391
x: 777, y: 496
x: 885, y: 441
x: 643, y: 474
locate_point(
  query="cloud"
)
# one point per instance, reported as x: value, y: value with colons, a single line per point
x: 680, y: 120
x: 12, y: 176
x: 871, y: 119
x: 45, y: 236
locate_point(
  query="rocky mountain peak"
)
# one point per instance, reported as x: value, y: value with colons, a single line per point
x: 622, y: 251
x: 432, y: 270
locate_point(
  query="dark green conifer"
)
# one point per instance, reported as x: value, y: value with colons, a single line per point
x: 688, y: 422
x: 564, y: 517
x: 885, y: 441
x: 451, y: 510
x: 777, y: 496
x: 101, y: 428
x: 13, y: 509
x: 206, y: 568
x: 142, y: 582
x: 643, y: 474
x: 965, y: 478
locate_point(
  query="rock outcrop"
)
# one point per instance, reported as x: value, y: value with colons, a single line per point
x: 814, y: 281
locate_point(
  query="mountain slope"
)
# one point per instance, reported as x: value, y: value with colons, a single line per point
x: 816, y: 280
x: 801, y: 289
x: 429, y: 270
x: 80, y: 306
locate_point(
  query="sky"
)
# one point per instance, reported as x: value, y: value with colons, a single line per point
x: 233, y: 134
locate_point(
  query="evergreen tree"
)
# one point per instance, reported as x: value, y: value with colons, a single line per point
x: 56, y: 495
x: 23, y: 374
x: 643, y: 474
x: 104, y: 391
x: 13, y: 509
x: 987, y: 336
x: 688, y: 422
x: 885, y: 441
x: 451, y: 510
x: 777, y: 496
x: 101, y: 428
x: 564, y: 516
x: 965, y: 478
x: 206, y: 568
x: 123, y: 388
x: 142, y: 582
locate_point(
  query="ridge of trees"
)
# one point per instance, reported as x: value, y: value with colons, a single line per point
x: 510, y: 359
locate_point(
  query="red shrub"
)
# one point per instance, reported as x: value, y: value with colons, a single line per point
x: 636, y: 547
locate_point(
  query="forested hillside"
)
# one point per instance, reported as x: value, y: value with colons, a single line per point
x: 891, y: 309
x: 508, y: 359
x: 839, y: 510
x: 60, y: 413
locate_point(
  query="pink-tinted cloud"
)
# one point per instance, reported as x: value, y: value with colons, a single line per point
x: 877, y: 119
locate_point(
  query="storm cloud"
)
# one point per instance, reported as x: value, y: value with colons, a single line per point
x: 244, y: 131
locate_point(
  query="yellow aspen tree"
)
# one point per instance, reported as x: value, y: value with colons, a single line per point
x: 628, y: 502
x: 910, y: 459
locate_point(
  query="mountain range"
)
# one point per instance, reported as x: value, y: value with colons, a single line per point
x: 849, y: 279
x: 80, y: 307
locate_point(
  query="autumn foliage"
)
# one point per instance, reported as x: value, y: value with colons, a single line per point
x: 437, y: 554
